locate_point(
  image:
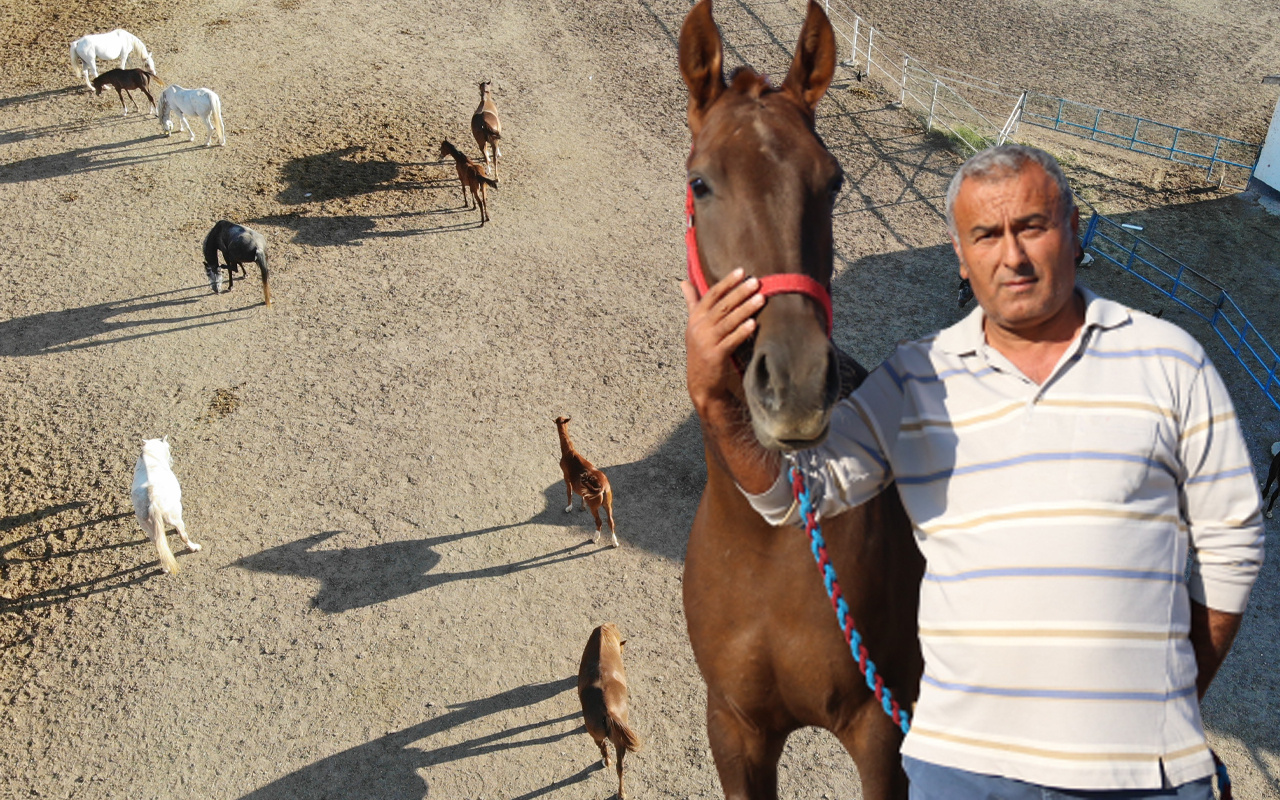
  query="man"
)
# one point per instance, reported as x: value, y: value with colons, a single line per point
x: 1059, y: 455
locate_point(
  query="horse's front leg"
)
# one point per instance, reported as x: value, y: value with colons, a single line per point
x: 873, y: 741
x: 746, y: 755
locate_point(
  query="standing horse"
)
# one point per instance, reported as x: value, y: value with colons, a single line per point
x: 124, y: 80
x: 238, y: 245
x: 485, y: 126
x: 202, y: 103
x: 119, y: 43
x: 761, y: 186
x: 472, y: 177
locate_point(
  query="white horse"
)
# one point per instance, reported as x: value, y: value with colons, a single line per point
x: 119, y: 43
x: 202, y: 103
x: 157, y: 499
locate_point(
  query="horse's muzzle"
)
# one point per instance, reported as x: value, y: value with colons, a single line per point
x: 215, y: 279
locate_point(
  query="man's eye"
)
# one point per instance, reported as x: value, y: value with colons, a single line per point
x: 699, y: 187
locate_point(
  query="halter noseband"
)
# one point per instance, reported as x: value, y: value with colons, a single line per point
x: 782, y: 283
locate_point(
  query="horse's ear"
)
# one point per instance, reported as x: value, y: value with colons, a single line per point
x: 165, y: 438
x: 701, y: 59
x: 815, y: 60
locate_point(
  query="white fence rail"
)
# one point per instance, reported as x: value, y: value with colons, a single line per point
x: 972, y: 111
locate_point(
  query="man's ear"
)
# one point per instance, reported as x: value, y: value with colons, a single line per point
x: 964, y: 270
x: 701, y: 62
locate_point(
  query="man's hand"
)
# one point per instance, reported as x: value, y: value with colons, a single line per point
x: 1212, y: 632
x: 719, y: 323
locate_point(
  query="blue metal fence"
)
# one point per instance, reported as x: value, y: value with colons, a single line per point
x: 1233, y: 159
x: 1194, y: 292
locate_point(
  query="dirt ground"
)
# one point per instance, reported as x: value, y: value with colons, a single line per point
x: 391, y: 602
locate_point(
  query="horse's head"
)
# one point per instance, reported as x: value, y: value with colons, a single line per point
x: 763, y: 185
x: 97, y: 85
x: 446, y: 149
x: 484, y: 89
x: 158, y: 449
x: 215, y: 276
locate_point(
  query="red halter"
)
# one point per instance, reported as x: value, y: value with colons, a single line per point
x: 784, y: 283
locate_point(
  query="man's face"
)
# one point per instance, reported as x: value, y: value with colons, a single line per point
x: 1016, y: 247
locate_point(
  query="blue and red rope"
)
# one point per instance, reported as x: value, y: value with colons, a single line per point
x: 818, y: 546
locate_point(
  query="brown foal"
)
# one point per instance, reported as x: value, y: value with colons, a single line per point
x: 124, y: 80
x: 486, y: 127
x: 581, y: 477
x: 472, y: 176
x: 602, y: 690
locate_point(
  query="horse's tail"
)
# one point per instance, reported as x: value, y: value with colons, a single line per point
x: 156, y: 516
x: 261, y: 258
x: 217, y: 117
x: 154, y: 77
x: 490, y: 181
x: 620, y: 734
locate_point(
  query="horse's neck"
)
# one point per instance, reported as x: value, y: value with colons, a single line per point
x: 566, y: 444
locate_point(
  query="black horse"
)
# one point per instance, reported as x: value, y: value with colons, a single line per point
x: 238, y: 246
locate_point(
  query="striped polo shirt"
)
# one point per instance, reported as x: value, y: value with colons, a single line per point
x: 1056, y: 521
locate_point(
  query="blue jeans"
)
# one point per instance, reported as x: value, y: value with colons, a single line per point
x: 932, y: 782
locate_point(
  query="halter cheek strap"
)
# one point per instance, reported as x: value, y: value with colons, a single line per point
x: 784, y: 283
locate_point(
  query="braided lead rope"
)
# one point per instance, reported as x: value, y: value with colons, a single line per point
x: 818, y: 546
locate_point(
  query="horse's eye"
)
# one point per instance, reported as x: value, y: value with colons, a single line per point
x: 700, y: 188
x: 837, y: 185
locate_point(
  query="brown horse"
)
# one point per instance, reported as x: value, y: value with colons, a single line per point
x: 602, y: 691
x: 124, y: 80
x: 486, y: 127
x: 763, y: 631
x: 472, y: 176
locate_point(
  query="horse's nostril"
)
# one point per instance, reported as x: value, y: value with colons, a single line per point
x: 831, y: 390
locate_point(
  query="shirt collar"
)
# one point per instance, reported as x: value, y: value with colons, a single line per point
x: 966, y: 336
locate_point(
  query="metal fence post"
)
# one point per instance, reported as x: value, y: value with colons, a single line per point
x: 856, y: 20
x: 902, y: 96
x: 932, y: 103
x: 871, y: 35
x: 1213, y: 159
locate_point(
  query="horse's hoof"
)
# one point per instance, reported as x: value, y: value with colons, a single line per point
x: 568, y: 508
x: 193, y: 547
x: 615, y: 541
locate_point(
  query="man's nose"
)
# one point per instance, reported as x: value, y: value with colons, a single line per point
x: 1012, y: 254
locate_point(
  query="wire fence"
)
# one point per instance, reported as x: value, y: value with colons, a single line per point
x: 971, y: 111
x: 1110, y: 241
x: 976, y: 113
x: 1231, y: 159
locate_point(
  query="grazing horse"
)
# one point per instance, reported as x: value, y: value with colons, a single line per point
x: 238, y: 245
x: 602, y: 691
x: 202, y: 103
x: 119, y: 43
x: 472, y: 177
x: 761, y: 186
x: 124, y: 80
x: 486, y: 127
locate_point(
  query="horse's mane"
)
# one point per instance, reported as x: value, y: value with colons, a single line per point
x: 747, y: 81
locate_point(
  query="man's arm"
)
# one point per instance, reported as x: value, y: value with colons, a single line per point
x: 719, y: 323
x: 1212, y: 632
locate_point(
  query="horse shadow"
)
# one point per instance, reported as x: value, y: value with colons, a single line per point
x: 356, y: 577
x: 82, y: 159
x: 34, y: 97
x: 336, y: 174
x: 352, y: 229
x: 388, y: 767
x: 79, y: 328
x: 18, y: 551
x: 660, y: 489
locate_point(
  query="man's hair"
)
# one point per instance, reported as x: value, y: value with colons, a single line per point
x: 1007, y: 160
